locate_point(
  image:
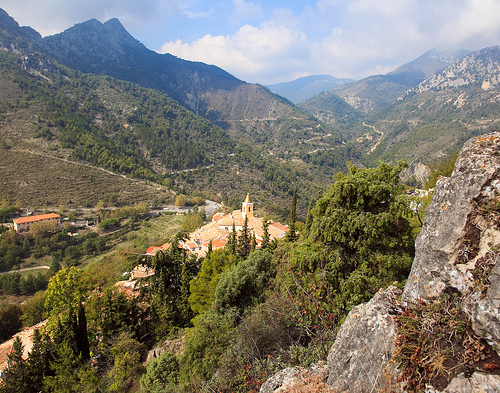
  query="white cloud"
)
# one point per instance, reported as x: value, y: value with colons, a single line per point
x: 476, y: 21
x: 251, y: 53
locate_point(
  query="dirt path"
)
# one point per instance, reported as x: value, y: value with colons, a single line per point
x: 379, y: 139
x: 26, y: 269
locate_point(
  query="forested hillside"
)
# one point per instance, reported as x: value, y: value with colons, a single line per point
x: 121, y: 127
x: 238, y: 315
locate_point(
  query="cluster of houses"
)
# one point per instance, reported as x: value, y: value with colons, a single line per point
x: 217, y: 232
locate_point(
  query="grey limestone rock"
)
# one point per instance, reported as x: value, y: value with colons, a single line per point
x: 293, y: 377
x: 359, y: 358
x: 477, y: 383
x: 454, y: 249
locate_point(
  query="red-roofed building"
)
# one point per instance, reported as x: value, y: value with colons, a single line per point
x: 24, y: 224
x: 221, y: 226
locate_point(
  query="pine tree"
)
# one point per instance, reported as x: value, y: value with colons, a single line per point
x: 15, y: 377
x: 292, y: 231
x: 37, y: 362
x: 64, y: 369
x: 254, y: 242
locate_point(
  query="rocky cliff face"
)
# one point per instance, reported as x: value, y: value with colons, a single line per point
x: 481, y: 68
x: 457, y: 247
x: 457, y: 253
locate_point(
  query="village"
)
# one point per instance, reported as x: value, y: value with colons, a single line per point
x: 213, y: 235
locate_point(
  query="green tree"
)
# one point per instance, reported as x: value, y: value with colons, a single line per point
x: 15, y: 377
x: 360, y: 240
x: 126, y: 353
x: 292, y: 231
x: 231, y: 241
x: 10, y: 321
x: 167, y: 290
x: 34, y: 309
x: 65, y: 291
x: 244, y: 240
x: 64, y: 371
x: 203, y: 286
x: 244, y: 285
x: 205, y: 345
x: 180, y: 200
x: 162, y: 375
x: 64, y: 303
x: 265, y: 237
x: 364, y: 212
x: 37, y: 365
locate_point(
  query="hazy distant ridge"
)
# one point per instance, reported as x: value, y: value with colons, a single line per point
x: 306, y: 87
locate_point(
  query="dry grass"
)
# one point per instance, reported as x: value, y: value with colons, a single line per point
x: 37, y: 180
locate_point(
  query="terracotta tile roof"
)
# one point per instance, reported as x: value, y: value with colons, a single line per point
x: 216, y: 231
x: 152, y: 250
x: 218, y: 243
x: 40, y: 217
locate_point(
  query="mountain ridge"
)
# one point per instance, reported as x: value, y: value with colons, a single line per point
x: 306, y: 87
x: 379, y: 91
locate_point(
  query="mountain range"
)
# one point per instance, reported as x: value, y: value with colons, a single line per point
x: 306, y: 87
x: 95, y: 95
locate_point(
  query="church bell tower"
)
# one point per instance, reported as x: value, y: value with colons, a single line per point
x: 247, y: 208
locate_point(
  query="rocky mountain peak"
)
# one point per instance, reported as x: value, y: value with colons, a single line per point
x: 103, y: 39
x: 481, y: 68
x: 9, y: 27
x: 432, y: 61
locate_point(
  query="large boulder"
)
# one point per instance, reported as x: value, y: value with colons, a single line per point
x: 456, y: 249
x: 359, y: 360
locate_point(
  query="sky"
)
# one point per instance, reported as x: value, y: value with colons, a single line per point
x: 278, y: 41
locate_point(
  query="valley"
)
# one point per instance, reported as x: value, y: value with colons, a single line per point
x: 134, y: 297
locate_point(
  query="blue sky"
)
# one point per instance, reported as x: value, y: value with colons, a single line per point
x: 276, y: 40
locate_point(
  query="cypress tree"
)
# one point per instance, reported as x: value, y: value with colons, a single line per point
x: 82, y: 340
x: 265, y: 237
x: 231, y: 243
x: 244, y: 245
x: 209, y: 251
x: 292, y: 232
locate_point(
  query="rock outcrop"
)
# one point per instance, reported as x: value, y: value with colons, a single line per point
x: 456, y: 248
x: 457, y: 252
x: 359, y: 358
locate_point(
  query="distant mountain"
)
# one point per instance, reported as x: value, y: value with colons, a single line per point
x: 479, y: 68
x: 246, y: 111
x: 52, y: 116
x: 441, y: 113
x: 301, y: 89
x: 379, y: 91
x: 14, y: 36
